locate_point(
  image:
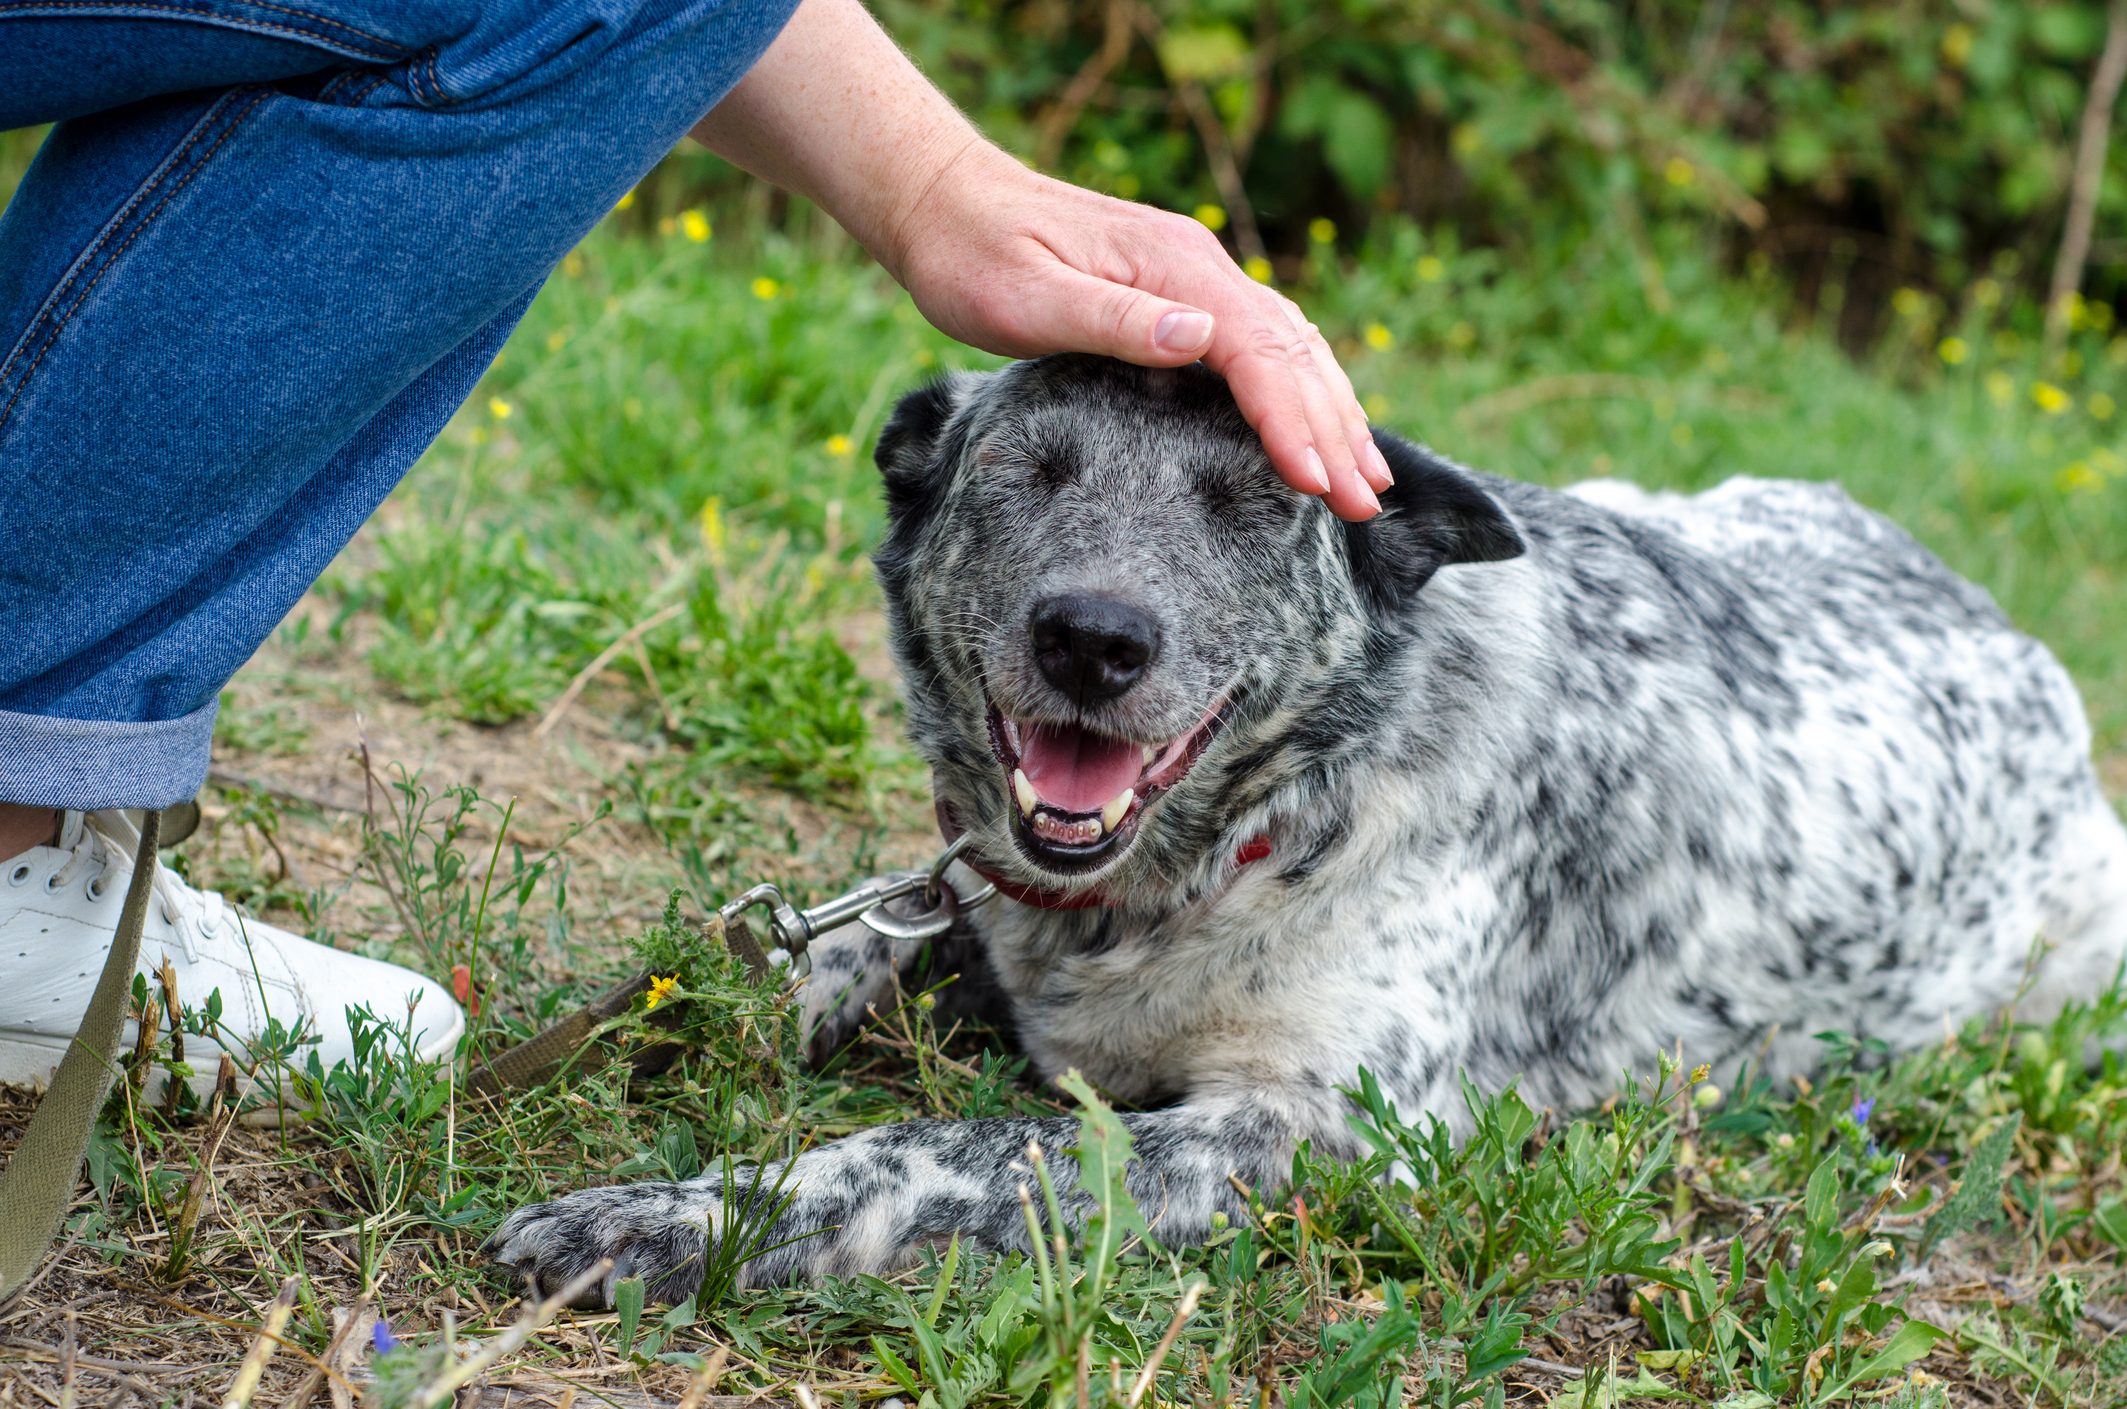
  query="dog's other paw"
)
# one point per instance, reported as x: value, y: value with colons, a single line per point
x: 852, y: 975
x: 658, y: 1232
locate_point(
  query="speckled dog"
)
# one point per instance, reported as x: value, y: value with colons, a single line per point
x: 1508, y: 782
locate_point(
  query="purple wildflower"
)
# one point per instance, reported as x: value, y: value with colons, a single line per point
x: 1863, y: 1108
x: 381, y: 1337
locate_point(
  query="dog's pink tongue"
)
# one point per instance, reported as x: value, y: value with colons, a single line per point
x: 1073, y: 770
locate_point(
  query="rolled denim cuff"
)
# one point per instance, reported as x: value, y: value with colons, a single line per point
x: 83, y: 765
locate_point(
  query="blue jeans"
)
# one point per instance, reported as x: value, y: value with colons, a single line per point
x: 266, y: 252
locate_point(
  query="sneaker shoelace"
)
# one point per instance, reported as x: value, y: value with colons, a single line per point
x: 196, y: 915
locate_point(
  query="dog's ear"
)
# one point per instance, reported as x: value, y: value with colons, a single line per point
x: 909, y: 450
x: 1434, y: 515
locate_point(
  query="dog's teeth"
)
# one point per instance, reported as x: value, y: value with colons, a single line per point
x: 1024, y: 792
x: 1112, y: 814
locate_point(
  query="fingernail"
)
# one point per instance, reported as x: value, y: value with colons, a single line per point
x: 1373, y: 504
x: 1317, y: 473
x: 1182, y: 332
x: 1374, y: 465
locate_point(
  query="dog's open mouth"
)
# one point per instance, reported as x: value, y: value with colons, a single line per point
x: 1076, y: 796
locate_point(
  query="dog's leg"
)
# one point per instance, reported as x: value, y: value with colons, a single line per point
x: 854, y: 972
x: 870, y: 1203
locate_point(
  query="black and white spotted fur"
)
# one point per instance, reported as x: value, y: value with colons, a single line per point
x: 1553, y: 780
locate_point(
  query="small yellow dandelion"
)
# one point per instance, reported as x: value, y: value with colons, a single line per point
x: 666, y: 225
x: 1953, y: 351
x: 1211, y: 217
x: 765, y: 288
x: 627, y: 200
x: 1257, y: 268
x: 1679, y: 172
x: 1461, y: 335
x: 498, y: 408
x: 1375, y: 405
x: 926, y: 358
x: 557, y: 340
x: 1957, y: 45
x: 1909, y: 303
x: 1466, y: 139
x: 2001, y: 389
x: 2078, y: 310
x: 1986, y: 293
x: 572, y: 265
x: 1322, y: 230
x: 2078, y: 477
x: 1378, y: 337
x: 1431, y: 268
x: 695, y: 226
x: 660, y: 990
x: 712, y: 525
x: 840, y: 446
x: 2100, y: 406
x: 2050, y: 398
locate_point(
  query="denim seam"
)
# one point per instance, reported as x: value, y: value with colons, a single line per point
x: 390, y: 50
x: 58, y: 325
x: 38, y: 325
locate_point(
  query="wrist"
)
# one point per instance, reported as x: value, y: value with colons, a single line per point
x: 951, y: 171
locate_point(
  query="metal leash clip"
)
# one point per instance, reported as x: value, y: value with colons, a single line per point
x: 902, y: 905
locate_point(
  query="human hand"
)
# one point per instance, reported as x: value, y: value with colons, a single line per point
x: 1018, y: 264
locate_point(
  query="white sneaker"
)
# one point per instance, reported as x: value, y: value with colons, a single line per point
x: 59, y: 908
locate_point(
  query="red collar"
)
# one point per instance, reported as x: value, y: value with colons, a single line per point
x: 1255, y: 849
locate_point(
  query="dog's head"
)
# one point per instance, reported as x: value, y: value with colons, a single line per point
x: 1103, y: 600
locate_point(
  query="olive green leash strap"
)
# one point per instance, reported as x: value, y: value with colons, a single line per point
x: 38, y: 1184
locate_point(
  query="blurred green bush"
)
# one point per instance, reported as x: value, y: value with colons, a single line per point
x: 1860, y: 146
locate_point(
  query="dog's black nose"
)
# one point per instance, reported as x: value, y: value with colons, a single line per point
x: 1092, y: 648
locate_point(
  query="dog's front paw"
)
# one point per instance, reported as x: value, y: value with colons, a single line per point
x: 852, y: 975
x: 658, y: 1232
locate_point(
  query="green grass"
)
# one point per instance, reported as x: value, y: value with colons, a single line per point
x: 668, y: 466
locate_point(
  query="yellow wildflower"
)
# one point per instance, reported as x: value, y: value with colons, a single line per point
x: 1375, y: 405
x: 1679, y: 172
x: 1700, y: 1072
x: 1953, y: 351
x: 626, y: 201
x: 660, y: 990
x: 1986, y: 293
x: 2000, y: 388
x: 1322, y: 230
x: 477, y: 435
x: 1461, y: 335
x: 695, y: 226
x: 839, y: 446
x: 1378, y: 337
x: 499, y: 409
x: 1909, y: 303
x: 712, y: 522
x: 1957, y: 45
x: 666, y: 225
x: 2050, y: 398
x: 1431, y: 268
x: 572, y: 265
x: 1257, y: 268
x: 557, y: 339
x: 926, y: 358
x: 765, y: 288
x: 1466, y: 138
x: 1211, y: 217
x: 2077, y: 477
